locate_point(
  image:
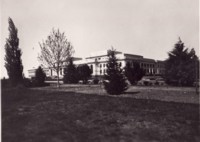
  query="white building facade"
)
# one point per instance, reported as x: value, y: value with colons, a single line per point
x: 97, y: 61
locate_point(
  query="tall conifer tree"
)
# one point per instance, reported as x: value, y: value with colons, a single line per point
x: 40, y: 76
x: 181, y: 66
x: 13, y: 62
x: 116, y: 79
x: 70, y: 73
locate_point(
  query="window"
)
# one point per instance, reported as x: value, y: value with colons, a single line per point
x: 100, y: 71
x: 100, y: 65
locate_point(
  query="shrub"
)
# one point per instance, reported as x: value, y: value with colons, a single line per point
x: 27, y: 82
x: 5, y: 83
x: 157, y: 83
x: 70, y: 73
x: 146, y: 83
x: 84, y: 73
x: 96, y: 81
x: 39, y: 77
x: 134, y: 73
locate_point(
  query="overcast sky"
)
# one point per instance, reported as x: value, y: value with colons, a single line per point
x: 145, y: 27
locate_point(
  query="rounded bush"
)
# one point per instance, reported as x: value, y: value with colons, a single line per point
x: 96, y: 81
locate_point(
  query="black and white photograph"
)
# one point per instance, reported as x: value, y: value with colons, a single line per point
x: 99, y: 71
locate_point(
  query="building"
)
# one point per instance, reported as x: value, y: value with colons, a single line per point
x: 52, y: 73
x: 97, y: 61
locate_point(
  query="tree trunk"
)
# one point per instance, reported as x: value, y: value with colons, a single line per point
x: 58, y: 84
x: 197, y: 87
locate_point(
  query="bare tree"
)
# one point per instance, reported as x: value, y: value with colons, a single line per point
x: 55, y: 50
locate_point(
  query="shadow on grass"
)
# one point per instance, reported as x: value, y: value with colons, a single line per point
x: 131, y: 93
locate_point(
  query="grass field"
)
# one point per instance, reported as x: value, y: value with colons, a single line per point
x: 72, y: 115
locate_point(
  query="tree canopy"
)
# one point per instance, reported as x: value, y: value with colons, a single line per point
x: 181, y: 65
x: 13, y: 62
x: 55, y: 50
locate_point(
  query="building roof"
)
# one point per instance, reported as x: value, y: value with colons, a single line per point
x: 100, y: 54
x: 133, y: 56
x: 148, y: 60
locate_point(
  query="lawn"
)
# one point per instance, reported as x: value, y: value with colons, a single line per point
x: 72, y: 115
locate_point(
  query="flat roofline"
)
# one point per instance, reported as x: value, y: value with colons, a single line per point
x: 90, y: 57
x: 147, y: 59
x: 99, y: 62
x: 133, y: 55
x: 95, y: 56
